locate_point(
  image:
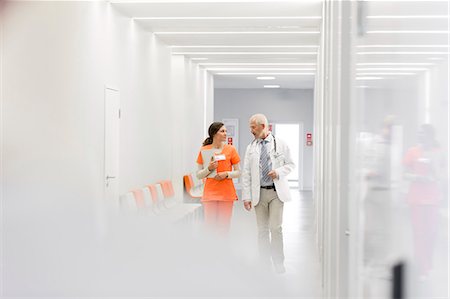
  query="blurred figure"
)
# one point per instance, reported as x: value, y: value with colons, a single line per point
x: 378, y: 209
x: 219, y: 170
x: 424, y: 166
x: 265, y: 186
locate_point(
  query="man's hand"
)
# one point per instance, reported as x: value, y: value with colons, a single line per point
x: 221, y: 176
x: 248, y: 205
x: 273, y: 174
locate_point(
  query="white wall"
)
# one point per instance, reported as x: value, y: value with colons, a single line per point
x: 57, y: 59
x: 279, y: 105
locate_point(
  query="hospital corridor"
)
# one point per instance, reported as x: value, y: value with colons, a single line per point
x: 224, y: 149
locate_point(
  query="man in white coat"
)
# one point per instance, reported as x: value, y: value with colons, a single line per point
x: 265, y: 187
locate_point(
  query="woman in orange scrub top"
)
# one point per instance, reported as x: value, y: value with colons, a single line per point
x: 219, y: 193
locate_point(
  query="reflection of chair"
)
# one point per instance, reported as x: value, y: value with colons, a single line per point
x: 193, y: 186
x: 156, y: 198
x: 168, y: 193
x: 139, y: 198
x: 127, y: 202
x: 167, y: 189
x: 147, y: 197
x: 142, y: 199
x: 160, y: 201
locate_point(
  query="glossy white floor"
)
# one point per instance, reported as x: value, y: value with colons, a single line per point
x: 302, y: 277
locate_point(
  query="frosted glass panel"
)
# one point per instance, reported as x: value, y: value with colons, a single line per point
x: 401, y: 87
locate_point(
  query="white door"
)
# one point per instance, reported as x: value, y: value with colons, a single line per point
x: 291, y: 134
x: 112, y: 116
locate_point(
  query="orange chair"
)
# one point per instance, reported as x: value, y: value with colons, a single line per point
x: 193, y: 187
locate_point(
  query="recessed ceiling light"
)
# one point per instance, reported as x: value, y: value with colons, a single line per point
x: 271, y: 86
x: 435, y: 58
x: 199, y: 58
x: 265, y: 78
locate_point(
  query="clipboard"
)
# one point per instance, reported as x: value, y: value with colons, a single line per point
x: 206, y: 156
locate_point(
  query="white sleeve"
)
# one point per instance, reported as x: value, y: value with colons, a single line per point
x: 202, y: 172
x: 235, y: 173
x: 246, y: 177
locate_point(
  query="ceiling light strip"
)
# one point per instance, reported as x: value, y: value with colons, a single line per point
x: 243, y: 47
x: 244, y: 53
x: 231, y: 32
x: 255, y: 63
x: 409, y: 31
x: 403, y: 46
x: 230, y: 18
x: 268, y: 74
x: 261, y: 69
x: 383, y: 74
x: 410, y: 17
x: 390, y: 69
x: 402, y: 53
x: 369, y: 78
x: 394, y: 63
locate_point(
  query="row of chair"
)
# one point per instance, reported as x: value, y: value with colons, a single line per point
x: 159, y: 200
x: 193, y: 186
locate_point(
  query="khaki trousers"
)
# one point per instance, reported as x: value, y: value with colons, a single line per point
x: 269, y: 218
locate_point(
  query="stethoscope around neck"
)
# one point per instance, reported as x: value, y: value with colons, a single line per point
x: 274, y: 144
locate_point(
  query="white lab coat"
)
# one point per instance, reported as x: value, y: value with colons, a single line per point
x: 281, y: 163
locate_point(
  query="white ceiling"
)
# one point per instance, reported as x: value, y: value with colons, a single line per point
x: 401, y: 40
x: 242, y: 39
x: 239, y: 39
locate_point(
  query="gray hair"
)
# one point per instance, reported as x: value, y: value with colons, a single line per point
x: 260, y: 119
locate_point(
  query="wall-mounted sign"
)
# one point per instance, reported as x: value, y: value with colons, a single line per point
x: 309, y: 139
x: 232, y: 125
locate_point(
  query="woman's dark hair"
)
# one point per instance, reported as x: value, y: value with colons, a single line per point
x: 212, y: 130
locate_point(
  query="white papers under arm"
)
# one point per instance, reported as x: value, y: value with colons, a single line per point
x: 207, y: 156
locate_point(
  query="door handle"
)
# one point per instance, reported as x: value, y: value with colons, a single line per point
x: 108, y: 178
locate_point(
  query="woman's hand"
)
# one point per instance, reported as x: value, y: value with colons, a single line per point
x: 213, y: 165
x: 221, y: 176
